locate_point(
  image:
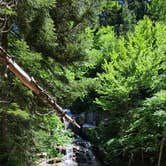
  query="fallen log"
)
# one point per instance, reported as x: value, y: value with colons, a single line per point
x: 32, y: 84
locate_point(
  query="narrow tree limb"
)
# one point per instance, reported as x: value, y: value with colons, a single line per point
x: 43, y: 114
x: 6, y: 102
x: 7, y: 5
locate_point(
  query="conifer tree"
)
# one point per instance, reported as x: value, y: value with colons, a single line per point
x: 156, y: 10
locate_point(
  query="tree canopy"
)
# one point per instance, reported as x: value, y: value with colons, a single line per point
x: 92, y: 56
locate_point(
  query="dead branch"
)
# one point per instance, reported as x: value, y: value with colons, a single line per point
x: 2, y: 19
x: 43, y: 114
x: 8, y: 5
x: 6, y: 101
x: 6, y: 31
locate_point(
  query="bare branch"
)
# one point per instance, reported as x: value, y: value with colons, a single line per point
x: 4, y: 22
x: 8, y: 5
x: 2, y: 19
x: 6, y: 31
x: 6, y: 101
x: 40, y: 114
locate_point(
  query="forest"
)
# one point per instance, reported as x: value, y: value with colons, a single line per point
x: 104, y: 60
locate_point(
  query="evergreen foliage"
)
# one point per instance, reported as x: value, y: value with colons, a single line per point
x: 97, y: 56
x: 156, y: 10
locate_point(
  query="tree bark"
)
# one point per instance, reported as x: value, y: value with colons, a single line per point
x: 161, y: 151
x: 4, y: 36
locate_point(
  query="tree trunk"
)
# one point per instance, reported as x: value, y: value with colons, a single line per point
x: 4, y: 135
x: 161, y: 151
x: 4, y: 119
x: 4, y: 37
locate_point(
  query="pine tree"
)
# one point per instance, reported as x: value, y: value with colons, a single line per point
x: 156, y: 10
x: 21, y: 134
x: 71, y: 18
